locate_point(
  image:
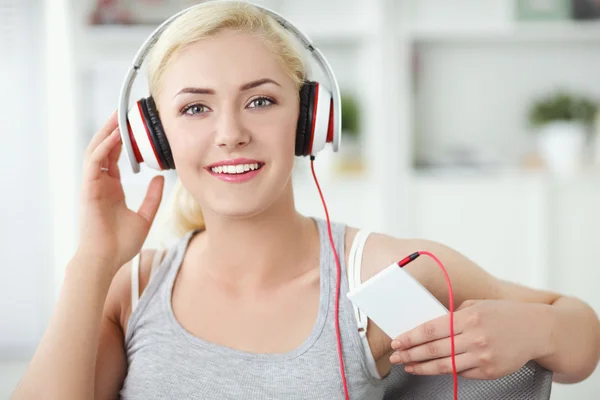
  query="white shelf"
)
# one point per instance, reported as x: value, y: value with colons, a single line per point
x: 119, y: 43
x: 560, y: 32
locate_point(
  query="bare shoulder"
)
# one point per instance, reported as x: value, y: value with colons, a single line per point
x: 111, y: 361
x: 118, y: 302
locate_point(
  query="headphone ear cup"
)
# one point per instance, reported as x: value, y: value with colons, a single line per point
x: 305, y: 119
x: 321, y: 130
x: 157, y: 133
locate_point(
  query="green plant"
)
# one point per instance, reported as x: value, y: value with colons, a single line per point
x: 350, y: 115
x: 563, y: 106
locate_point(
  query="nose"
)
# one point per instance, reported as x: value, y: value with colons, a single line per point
x: 230, y: 132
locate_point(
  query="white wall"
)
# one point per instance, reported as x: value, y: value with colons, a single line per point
x: 500, y: 222
x: 24, y: 214
x: 476, y: 92
x: 574, y: 250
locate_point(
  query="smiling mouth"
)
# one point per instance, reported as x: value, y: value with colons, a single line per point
x: 238, y: 169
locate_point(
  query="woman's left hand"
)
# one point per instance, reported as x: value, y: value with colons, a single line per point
x: 493, y: 338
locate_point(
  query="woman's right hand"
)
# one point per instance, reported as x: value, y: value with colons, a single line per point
x: 108, y: 230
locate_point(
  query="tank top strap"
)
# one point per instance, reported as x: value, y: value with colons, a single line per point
x: 355, y: 340
x: 159, y: 279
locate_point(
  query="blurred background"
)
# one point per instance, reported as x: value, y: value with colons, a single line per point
x: 469, y: 122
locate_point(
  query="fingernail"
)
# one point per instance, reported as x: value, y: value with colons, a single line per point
x: 409, y: 369
x: 395, y: 344
x: 395, y: 358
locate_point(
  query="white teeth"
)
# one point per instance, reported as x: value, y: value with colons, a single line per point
x: 234, y: 169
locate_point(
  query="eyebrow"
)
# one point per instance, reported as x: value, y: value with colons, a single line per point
x: 245, y: 86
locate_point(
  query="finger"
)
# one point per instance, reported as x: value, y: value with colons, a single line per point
x: 103, y: 133
x: 442, y: 366
x: 152, y: 200
x: 113, y: 159
x: 467, y: 303
x: 432, y: 350
x: 435, y: 329
x: 478, y: 373
x: 100, y: 154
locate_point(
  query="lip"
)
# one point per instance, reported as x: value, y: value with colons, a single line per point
x: 236, y: 178
x: 235, y: 161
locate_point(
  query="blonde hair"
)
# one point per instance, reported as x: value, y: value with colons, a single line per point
x: 201, y: 23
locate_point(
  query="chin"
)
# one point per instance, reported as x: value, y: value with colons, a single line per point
x: 248, y: 204
x: 239, y: 209
x: 246, y: 200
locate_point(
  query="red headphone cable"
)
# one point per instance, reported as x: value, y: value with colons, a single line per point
x: 408, y: 260
x: 401, y: 264
x: 337, y: 283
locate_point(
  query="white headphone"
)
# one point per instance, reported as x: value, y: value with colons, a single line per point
x: 143, y: 136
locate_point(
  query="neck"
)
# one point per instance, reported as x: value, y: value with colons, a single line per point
x: 263, y: 250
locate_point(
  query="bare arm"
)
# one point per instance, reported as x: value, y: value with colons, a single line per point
x: 567, y: 331
x: 111, y: 360
x: 104, y: 361
x: 110, y: 234
x: 63, y: 367
x: 570, y: 347
x: 574, y: 342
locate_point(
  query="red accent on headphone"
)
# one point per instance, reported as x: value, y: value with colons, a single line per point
x: 330, y: 127
x: 314, y: 118
x: 149, y: 138
x: 136, y: 149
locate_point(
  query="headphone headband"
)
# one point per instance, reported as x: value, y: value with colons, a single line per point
x: 153, y: 38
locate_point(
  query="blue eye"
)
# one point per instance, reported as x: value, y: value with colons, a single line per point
x: 261, y: 102
x: 194, y: 109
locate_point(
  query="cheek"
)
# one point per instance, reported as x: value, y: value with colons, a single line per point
x: 187, y: 147
x: 279, y: 143
x: 283, y: 133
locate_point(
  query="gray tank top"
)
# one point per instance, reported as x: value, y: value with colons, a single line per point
x: 165, y: 361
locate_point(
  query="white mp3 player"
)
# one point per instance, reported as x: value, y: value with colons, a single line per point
x: 395, y: 301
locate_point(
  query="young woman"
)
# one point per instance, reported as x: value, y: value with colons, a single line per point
x: 243, y: 305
